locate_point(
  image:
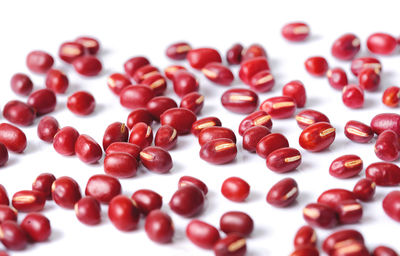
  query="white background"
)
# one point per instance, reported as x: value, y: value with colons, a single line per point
x: 131, y: 28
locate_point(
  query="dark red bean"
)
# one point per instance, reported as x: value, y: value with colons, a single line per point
x: 346, y: 47
x: 117, y: 82
x: 64, y: 141
x: 115, y: 132
x: 263, y: 81
x: 3, y: 196
x: 193, y: 101
x: 386, y: 121
x: 170, y: 71
x: 47, y: 128
x: 346, y: 166
x: 341, y: 238
x: 43, y: 184
x: 364, y: 190
x: 87, y: 149
x: 320, y: 215
x: 103, y: 187
x: 242, y: 101
x: 337, y: 78
x: 253, y: 135
x: 232, y: 245
x: 184, y: 83
x: 81, y: 103
x: 352, y: 249
x: 305, y: 236
x: 358, y: 132
x: 157, y: 83
x: 91, y: 45
x: 391, y: 205
x: 123, y: 213
x: 166, y: 137
x: 284, y: 160
x: 251, y: 67
x: 200, y: 57
x: 37, y: 227
x: 349, y: 212
x: 145, y: 72
x: 296, y: 31
x: 391, y: 96
x: 43, y: 101
x: 279, y: 107
x: 308, y: 117
x: 202, y: 234
x: 387, y: 146
x: 12, y: 137
x: 136, y: 96
x: 316, y: 66
x: 147, y: 200
x: 66, y: 192
x: 28, y: 201
x: 178, y: 51
x: 57, y: 81
x: 383, y: 174
x: 158, y: 105
x: 368, y: 79
x: 7, y: 213
x: 156, y: 159
x: 12, y: 235
x: 253, y: 51
x: 159, y: 227
x: 192, y: 181
x: 203, y: 123
x: 180, y: 118
x: 218, y: 151
x: 216, y: 132
x: 140, y: 115
x: 3, y: 154
x: 21, y: 84
x: 88, y: 210
x: 124, y: 147
x: 259, y: 117
x: 234, y: 54
x: 141, y: 135
x: 19, y: 113
x: 270, y: 143
x: 218, y: 73
x: 88, y: 65
x: 305, y: 251
x: 283, y: 193
x: 120, y: 165
x: 384, y: 251
x: 235, y: 189
x: 187, y: 201
x: 236, y: 222
x: 133, y: 64
x: 381, y: 43
x: 333, y: 197
x: 70, y: 51
x: 365, y: 62
x: 317, y: 137
x: 295, y: 89
x: 39, y: 62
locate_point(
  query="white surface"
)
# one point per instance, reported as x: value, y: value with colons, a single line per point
x: 147, y: 28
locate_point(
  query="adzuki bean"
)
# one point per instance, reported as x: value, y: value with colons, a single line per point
x: 384, y: 251
x: 12, y: 235
x: 65, y: 192
x: 203, y: 123
x: 202, y: 234
x: 64, y: 141
x: 87, y: 65
x: 353, y: 96
x: 251, y: 67
x: 115, y: 132
x: 187, y: 201
x: 305, y: 236
x: 37, y: 227
x: 91, y: 45
x: 70, y: 51
x: 184, y: 83
x: 103, y: 187
x: 124, y: 147
x: 262, y: 81
x: 317, y: 137
x: 381, y: 43
x: 333, y: 197
x: 157, y: 83
x: 283, y: 193
x: 383, y: 174
x: 140, y: 115
x: 133, y: 64
x: 47, y: 128
x: 180, y: 118
x: 364, y: 189
x: 3, y: 154
x: 387, y: 146
x: 166, y: 137
x: 279, y: 107
x: 337, y: 78
x: 147, y: 200
x: 259, y: 117
x: 3, y: 196
x: 270, y: 143
x: 218, y: 151
x: 283, y: 160
x: 320, y: 215
x: 218, y: 73
x: 346, y: 166
x: 81, y: 103
x: 29, y: 201
x: 391, y: 96
x: 192, y: 181
x: 39, y: 62
x: 156, y: 159
x: 346, y: 47
x: 21, y: 84
x: 340, y: 238
x: 305, y: 251
x: 158, y: 105
x: 308, y: 117
x: 252, y: 136
x: 135, y: 96
x: 254, y: 51
x: 193, y: 101
x: 349, y: 212
x: 7, y: 213
x: 232, y: 245
x: 234, y: 54
x: 368, y: 79
x: 386, y: 121
x: 316, y: 66
x: 236, y: 222
x: 216, y: 132
x: 141, y: 135
x: 296, y: 31
x: 391, y: 205
x: 87, y: 149
x: 88, y: 210
x: 159, y: 227
x: 117, y: 82
x: 19, y: 113
x: 57, y: 81
x: 12, y: 137
x: 120, y: 165
x: 145, y: 72
x: 200, y: 57
x: 242, y: 101
x: 43, y: 184
x: 178, y: 51
x: 295, y: 89
x: 235, y: 189
x: 170, y: 70
x: 358, y: 132
x: 123, y: 213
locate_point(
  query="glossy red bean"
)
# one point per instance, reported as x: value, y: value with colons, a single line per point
x: 284, y: 160
x: 133, y: 64
x: 91, y: 45
x: 346, y: 47
x: 341, y: 238
x: 316, y: 66
x: 296, y: 31
x: 43, y: 184
x: 253, y: 51
x: 270, y: 143
x: 259, y: 117
x: 308, y: 117
x: 337, y: 78
x: 358, y: 132
x: 88, y: 210
x: 70, y: 51
x: 202, y: 234
x: 283, y: 193
x: 365, y: 62
x: 3, y: 154
x: 235, y: 189
x: 120, y: 165
x: 333, y: 197
x: 262, y: 81
x: 349, y: 212
x: 305, y: 236
x: 43, y: 101
x: 234, y: 54
x: 64, y: 141
x: 383, y: 174
x: 279, y: 107
x: 187, y: 201
x: 140, y: 115
x: 346, y: 166
x: 157, y: 83
x: 47, y: 128
x: 320, y: 215
x: 252, y: 136
x: 384, y: 251
x: 193, y: 101
x: 158, y: 105
x: 295, y: 89
x: 87, y: 149
x: 386, y: 121
x: 123, y: 213
x: 236, y: 222
x: 178, y: 51
x: 115, y: 132
x: 180, y: 118
x: 39, y: 62
x: 218, y: 151
x: 21, y: 84
x: 66, y: 192
x: 192, y: 181
x: 391, y: 96
x: 387, y: 146
x: 12, y: 235
x: 242, y: 101
x: 391, y: 205
x: 12, y: 137
x: 124, y: 147
x: 141, y: 135
x: 156, y: 159
x: 57, y: 81
x: 147, y: 200
x: 364, y: 190
x: 352, y: 249
x: 216, y: 132
x: 28, y: 201
x: 305, y: 251
x: 88, y: 65
x: 81, y: 103
x: 317, y: 137
x: 166, y: 137
x: 19, y: 113
x: 3, y: 196
x: 232, y: 245
x: 117, y: 82
x: 218, y: 73
x: 103, y: 187
x: 251, y: 67
x: 381, y: 43
x: 200, y: 57
x: 7, y: 213
x: 136, y: 96
x: 170, y: 70
x: 368, y: 79
x: 145, y: 72
x: 159, y: 227
x: 203, y: 123
x: 184, y: 83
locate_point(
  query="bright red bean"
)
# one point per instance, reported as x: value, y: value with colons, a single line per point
x: 346, y: 47
x: 3, y: 196
x: 234, y: 54
x: 358, y: 132
x: 47, y: 128
x: 283, y: 193
x: 235, y: 189
x: 88, y: 210
x: 295, y: 89
x: 178, y: 51
x: 57, y: 81
x: 91, y: 45
x: 28, y: 201
x: 320, y: 215
x: 316, y: 66
x: 218, y: 73
x: 21, y: 84
x: 333, y: 197
x: 187, y: 201
x: 88, y: 65
x: 203, y: 123
x: 202, y: 234
x: 252, y: 136
x: 81, y: 103
x: 158, y: 105
x: 120, y: 165
x: 270, y: 143
x: 133, y: 64
x: 364, y: 190
x: 200, y: 57
x: 184, y: 83
x: 159, y: 227
x: 218, y: 151
x: 317, y: 137
x: 12, y: 137
x: 166, y: 137
x: 145, y: 72
x: 12, y: 235
x: 64, y: 141
x: 156, y: 159
x: 117, y: 82
x: 136, y: 96
x: 43, y: 101
x: 123, y: 213
x: 192, y: 181
x: 305, y: 251
x: 242, y: 101
x: 253, y: 51
x: 251, y: 67
x: 66, y: 192
x: 349, y: 212
x: 103, y: 187
x: 337, y: 78
x: 232, y: 245
x: 147, y: 200
x: 284, y: 160
x: 359, y: 64
x: 305, y: 236
x: 383, y: 174
x: 70, y: 51
x: 236, y: 222
x: 384, y: 251
x: 87, y: 149
x: 346, y: 166
x: 140, y: 115
x: 124, y: 147
x: 180, y: 118
x: 391, y: 205
x: 308, y: 117
x: 141, y: 135
x: 7, y: 213
x: 381, y: 43
x: 341, y: 238
x: 43, y: 184
x: 262, y: 81
x: 39, y: 62
x: 157, y: 83
x: 170, y: 71
x: 216, y: 132
x: 19, y: 113
x: 387, y: 146
x: 193, y: 101
x: 259, y: 117
x: 391, y: 96
x: 115, y: 132
x: 386, y: 121
x: 368, y: 79
x: 296, y: 31
x: 279, y: 107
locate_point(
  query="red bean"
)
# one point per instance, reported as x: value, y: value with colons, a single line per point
x: 391, y: 205
x: 115, y: 132
x: 308, y: 117
x: 384, y: 251
x: 235, y: 189
x: 305, y: 251
x: 133, y: 64
x: 64, y: 141
x: 232, y: 245
x: 218, y: 151
x: 234, y: 54
x: 295, y: 89
x: 43, y: 184
x: 170, y: 71
x: 296, y: 31
x: 192, y: 181
x: 3, y: 154
x: 3, y: 196
x: 316, y: 66
x: 387, y: 146
x: 157, y: 83
x: 124, y: 147
x: 88, y: 65
x: 346, y: 47
x: 365, y: 62
x: 251, y: 67
x: 254, y: 51
x: 145, y: 72
x: 283, y: 193
x: 193, y: 101
x: 39, y: 62
x: 136, y: 96
x: 279, y: 107
x: 317, y: 137
x: 368, y: 79
x: 19, y: 113
x: 123, y: 213
x: 333, y: 197
x: 120, y: 165
x: 202, y: 234
x: 117, y: 82
x: 358, y: 132
x: 140, y: 115
x: 236, y: 222
x: 305, y: 236
x: 284, y: 160
x: 147, y: 200
x: 262, y: 81
x: 66, y: 192
x: 141, y: 135
x: 70, y: 51
x: 178, y: 51
x: 341, y: 238
x: 203, y: 123
x: 216, y: 132
x: 180, y: 118
x: 166, y: 137
x: 270, y: 143
x: 47, y: 128
x: 43, y: 101
x: 28, y: 201
x: 353, y: 96
x: 218, y: 73
x: 259, y: 117
x: 184, y: 83
x: 364, y: 190
x: 381, y: 43
x: 21, y: 84
x: 337, y: 78
x: 349, y: 212
x: 12, y: 235
x: 158, y: 105
x: 252, y: 136
x: 242, y: 101
x: 200, y: 57
x: 7, y: 213
x: 187, y: 201
x: 320, y: 215
x: 103, y: 187
x: 88, y: 210
x: 12, y: 137
x: 159, y: 227
x: 91, y: 45
x: 352, y: 249
x: 346, y: 166
x: 156, y: 159
x: 57, y: 81
x: 391, y: 96
x: 383, y: 174
x: 386, y: 121
x: 81, y: 103
x: 87, y: 149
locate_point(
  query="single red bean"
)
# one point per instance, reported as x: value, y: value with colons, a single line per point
x: 136, y: 96
x: 145, y: 72
x: 316, y: 66
x: 368, y: 79
x: 295, y: 89
x: 3, y: 196
x: 88, y: 210
x: 117, y: 82
x: 346, y: 47
x: 103, y: 187
x: 200, y: 57
x: 123, y: 213
x: 381, y: 43
x: 383, y: 174
x: 239, y: 100
x: 147, y: 200
x: 57, y: 81
x: 21, y: 84
x: 333, y: 197
x: 387, y: 146
x: 65, y: 192
x: 349, y: 212
x: 180, y: 118
x: 19, y: 113
x: 115, y: 132
x: 159, y: 227
x: 236, y: 222
x: 43, y: 184
x: 184, y: 83
x: 170, y: 71
x: 218, y: 73
x: 7, y: 213
x: 337, y: 78
x: 364, y: 190
x: 279, y: 107
x: 124, y: 147
x: 193, y: 101
x: 166, y: 137
x: 251, y: 67
x: 320, y: 215
x: 284, y: 160
x: 305, y: 251
x: 384, y: 251
x: 346, y: 166
x: 28, y: 201
x: 391, y: 205
x: 202, y: 234
x: 91, y: 45
x: 192, y: 181
x: 296, y: 31
x: 187, y: 201
x: 235, y: 189
x: 39, y: 62
x: 341, y: 238
x: 12, y: 137
x: 259, y: 117
x: 270, y: 143
x: 87, y: 149
x: 158, y: 105
x: 232, y: 245
x: 218, y: 151
x: 64, y: 141
x: 352, y: 249
x: 203, y: 123
x: 12, y: 235
x: 358, y: 132
x: 234, y: 54
x: 133, y: 64
x: 157, y: 83
x: 216, y: 132
x: 253, y: 135
x: 305, y: 236
x: 120, y: 165
x: 308, y: 117
x: 47, y: 128
x: 178, y: 51
x: 70, y: 51
x: 141, y: 135
x: 81, y: 103
x: 283, y: 193
x: 353, y: 96
x: 3, y: 154
x: 88, y: 65
x: 386, y: 121
x: 43, y: 101
x: 140, y: 115
x: 262, y: 81
x: 156, y: 159
x: 391, y: 96
x: 253, y: 51
x: 317, y: 137
x: 359, y: 64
